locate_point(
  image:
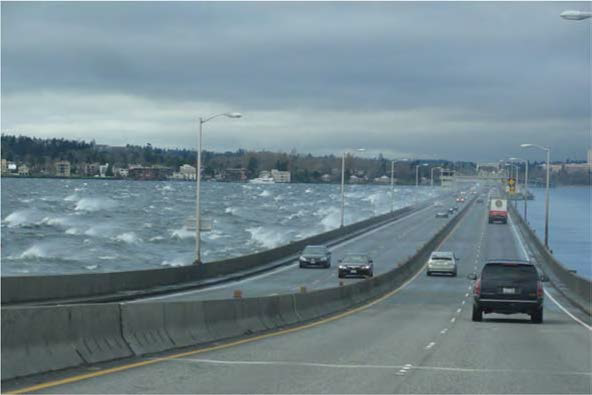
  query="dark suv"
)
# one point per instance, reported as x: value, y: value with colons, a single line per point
x: 508, y: 287
x: 315, y: 256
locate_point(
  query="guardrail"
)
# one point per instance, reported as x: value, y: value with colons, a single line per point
x: 122, y: 285
x: 39, y: 339
x: 574, y: 287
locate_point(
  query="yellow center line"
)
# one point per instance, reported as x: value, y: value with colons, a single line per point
x: 85, y: 376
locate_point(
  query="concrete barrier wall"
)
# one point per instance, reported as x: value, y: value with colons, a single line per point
x: 41, y: 339
x: 22, y: 289
x: 573, y: 286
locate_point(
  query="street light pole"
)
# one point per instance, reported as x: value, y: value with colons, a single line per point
x: 432, y: 174
x: 548, y: 151
x: 417, y: 173
x: 343, y: 184
x: 525, y: 194
x: 198, y: 181
x: 392, y: 186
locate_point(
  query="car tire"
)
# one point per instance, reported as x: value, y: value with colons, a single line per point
x: 371, y: 274
x: 340, y: 275
x: 477, y: 314
x: 454, y: 274
x: 301, y: 265
x: 428, y: 273
x: 537, y: 316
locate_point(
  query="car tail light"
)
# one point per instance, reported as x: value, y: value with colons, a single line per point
x: 539, y: 290
x: 477, y: 287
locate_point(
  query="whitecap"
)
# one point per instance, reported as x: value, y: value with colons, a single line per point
x: 174, y: 263
x: 71, y: 198
x: 35, y: 251
x: 91, y: 267
x: 231, y: 210
x: 183, y: 233
x: 18, y: 218
x: 95, y: 204
x: 267, y: 238
x: 108, y: 257
x: 128, y: 237
x: 156, y: 238
x: 265, y: 193
x: 72, y: 231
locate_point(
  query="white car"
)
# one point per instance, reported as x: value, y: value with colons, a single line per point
x: 442, y: 262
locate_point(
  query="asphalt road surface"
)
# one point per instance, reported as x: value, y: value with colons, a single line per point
x: 419, y: 340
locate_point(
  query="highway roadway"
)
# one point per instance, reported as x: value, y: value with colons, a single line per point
x: 418, y: 339
x: 388, y: 245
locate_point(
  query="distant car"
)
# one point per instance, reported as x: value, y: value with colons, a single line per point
x: 437, y: 204
x: 508, y: 287
x: 356, y: 265
x: 451, y: 210
x: 443, y: 262
x: 442, y: 214
x: 455, y: 208
x: 480, y: 200
x: 315, y: 256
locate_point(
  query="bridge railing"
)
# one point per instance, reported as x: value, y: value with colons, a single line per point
x: 574, y: 287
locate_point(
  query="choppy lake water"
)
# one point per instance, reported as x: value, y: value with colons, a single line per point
x: 66, y: 226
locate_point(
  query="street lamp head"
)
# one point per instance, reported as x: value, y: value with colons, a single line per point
x: 525, y: 145
x: 575, y: 15
x: 233, y: 115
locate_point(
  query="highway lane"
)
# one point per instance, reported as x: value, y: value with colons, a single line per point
x: 420, y: 340
x: 388, y: 246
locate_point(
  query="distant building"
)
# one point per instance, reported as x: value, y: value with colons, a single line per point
x: 91, y: 169
x: 188, y: 172
x: 23, y: 170
x: 239, y: 174
x: 103, y: 170
x: 123, y: 173
x: 150, y: 173
x: 62, y: 168
x: 280, y: 176
x: 264, y: 174
x: 382, y: 180
x: 356, y: 180
x: 4, y: 168
x: 12, y: 167
x: 326, y: 178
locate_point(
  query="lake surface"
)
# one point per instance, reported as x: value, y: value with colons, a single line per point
x: 569, y: 224
x: 68, y: 226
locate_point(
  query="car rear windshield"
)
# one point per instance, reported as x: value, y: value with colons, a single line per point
x: 442, y: 258
x: 315, y: 250
x: 508, y: 271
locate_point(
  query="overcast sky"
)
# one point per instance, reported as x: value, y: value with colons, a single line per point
x: 459, y: 81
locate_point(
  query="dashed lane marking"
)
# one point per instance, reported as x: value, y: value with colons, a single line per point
x: 400, y: 368
x: 432, y: 344
x: 443, y: 331
x: 458, y: 311
x: 452, y: 319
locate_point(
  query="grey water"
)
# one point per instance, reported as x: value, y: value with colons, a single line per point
x: 569, y: 224
x: 52, y: 226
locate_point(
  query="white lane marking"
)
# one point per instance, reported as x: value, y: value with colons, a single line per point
x: 275, y: 271
x: 443, y: 331
x: 525, y: 254
x: 457, y: 311
x: 467, y: 295
x: 464, y: 301
x: 408, y: 366
x: 567, y: 312
x: 432, y: 344
x: 390, y: 367
x: 452, y: 319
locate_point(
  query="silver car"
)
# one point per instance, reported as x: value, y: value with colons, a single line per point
x: 443, y: 262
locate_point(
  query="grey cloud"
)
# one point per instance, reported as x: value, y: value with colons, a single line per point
x: 493, y: 63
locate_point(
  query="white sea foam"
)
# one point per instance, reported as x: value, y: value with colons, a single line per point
x: 108, y: 257
x: 35, y: 251
x: 267, y: 238
x: 95, y: 204
x: 156, y: 238
x: 19, y: 218
x: 265, y: 193
x: 55, y: 221
x: 128, y: 237
x: 307, y: 190
x: 71, y: 198
x: 91, y: 267
x: 183, y: 233
x: 174, y: 263
x: 230, y: 210
x: 73, y: 231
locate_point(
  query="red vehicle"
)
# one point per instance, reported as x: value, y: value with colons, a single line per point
x: 498, y: 210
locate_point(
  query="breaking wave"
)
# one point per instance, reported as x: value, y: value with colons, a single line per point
x: 128, y: 237
x: 268, y: 238
x: 95, y: 204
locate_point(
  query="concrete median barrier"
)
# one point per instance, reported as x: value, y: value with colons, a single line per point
x: 143, y: 327
x: 186, y: 324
